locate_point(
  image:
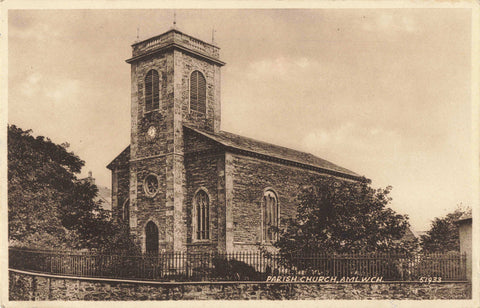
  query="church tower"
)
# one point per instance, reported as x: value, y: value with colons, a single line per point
x: 175, y: 81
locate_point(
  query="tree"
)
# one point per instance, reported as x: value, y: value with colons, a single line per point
x: 48, y: 206
x: 80, y: 212
x: 39, y: 172
x: 343, y: 216
x: 443, y: 234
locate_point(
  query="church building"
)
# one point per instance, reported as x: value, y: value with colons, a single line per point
x: 185, y: 185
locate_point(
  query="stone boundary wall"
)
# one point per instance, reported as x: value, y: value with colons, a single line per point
x: 31, y: 286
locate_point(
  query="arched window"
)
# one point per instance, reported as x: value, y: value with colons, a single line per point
x: 151, y: 238
x: 202, y: 212
x: 270, y: 216
x: 152, y: 90
x: 126, y: 211
x: 198, y: 92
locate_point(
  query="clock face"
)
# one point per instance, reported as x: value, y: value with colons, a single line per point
x: 152, y: 132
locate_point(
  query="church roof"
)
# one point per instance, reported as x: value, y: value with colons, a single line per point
x: 246, y: 144
x: 258, y: 148
x: 465, y: 216
x: 121, y: 160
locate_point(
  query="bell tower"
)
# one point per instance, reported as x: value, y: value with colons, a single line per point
x: 175, y: 80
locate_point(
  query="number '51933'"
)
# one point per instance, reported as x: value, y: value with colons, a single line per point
x: 430, y: 279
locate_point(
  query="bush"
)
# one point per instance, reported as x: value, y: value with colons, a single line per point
x: 233, y: 270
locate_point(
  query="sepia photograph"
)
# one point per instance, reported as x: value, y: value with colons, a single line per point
x: 240, y: 153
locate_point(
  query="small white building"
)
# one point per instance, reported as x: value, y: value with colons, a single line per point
x: 465, y: 234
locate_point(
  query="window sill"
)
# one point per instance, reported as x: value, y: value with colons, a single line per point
x: 151, y: 111
x: 201, y: 243
x: 267, y: 243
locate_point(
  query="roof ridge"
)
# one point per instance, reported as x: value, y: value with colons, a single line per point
x: 330, y: 166
x: 280, y: 146
x: 250, y: 138
x: 266, y: 142
x: 110, y: 165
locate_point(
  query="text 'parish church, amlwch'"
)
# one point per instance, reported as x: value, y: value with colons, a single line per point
x: 183, y: 184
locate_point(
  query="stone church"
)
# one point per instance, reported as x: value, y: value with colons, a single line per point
x: 183, y: 184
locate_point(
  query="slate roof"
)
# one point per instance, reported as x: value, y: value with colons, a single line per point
x: 465, y: 216
x: 237, y: 142
x: 121, y: 160
x: 105, y: 194
x: 409, y: 235
x: 234, y: 141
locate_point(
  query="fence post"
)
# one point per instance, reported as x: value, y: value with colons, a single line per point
x: 334, y: 265
x: 390, y: 265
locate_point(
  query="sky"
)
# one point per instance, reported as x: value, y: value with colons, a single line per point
x: 385, y: 93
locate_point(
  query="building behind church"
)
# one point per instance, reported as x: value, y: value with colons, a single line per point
x: 183, y: 184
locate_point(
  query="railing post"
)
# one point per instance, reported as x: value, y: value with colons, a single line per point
x: 391, y: 266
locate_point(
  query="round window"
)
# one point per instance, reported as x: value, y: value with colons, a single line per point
x: 151, y: 185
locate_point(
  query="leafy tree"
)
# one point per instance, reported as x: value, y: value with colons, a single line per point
x: 443, y: 235
x: 343, y: 216
x: 80, y: 212
x: 39, y: 174
x: 48, y: 206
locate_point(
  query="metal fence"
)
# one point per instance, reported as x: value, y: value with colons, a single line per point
x: 241, y: 265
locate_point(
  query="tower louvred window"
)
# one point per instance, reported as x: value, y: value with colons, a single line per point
x: 198, y: 92
x: 152, y: 90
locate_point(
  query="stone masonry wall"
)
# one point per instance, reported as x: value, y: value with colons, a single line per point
x: 24, y: 287
x: 162, y: 119
x: 162, y: 155
x: 151, y: 208
x: 251, y: 176
x: 194, y: 142
x: 184, y: 66
x: 120, y: 181
x: 120, y: 190
x: 207, y: 173
x: 152, y: 155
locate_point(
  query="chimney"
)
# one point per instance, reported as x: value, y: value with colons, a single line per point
x: 91, y: 180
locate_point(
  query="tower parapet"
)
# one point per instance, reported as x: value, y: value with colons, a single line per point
x: 175, y: 38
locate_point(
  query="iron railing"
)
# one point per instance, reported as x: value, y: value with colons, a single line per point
x: 240, y: 265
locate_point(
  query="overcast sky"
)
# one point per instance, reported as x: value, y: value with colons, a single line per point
x: 382, y: 92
